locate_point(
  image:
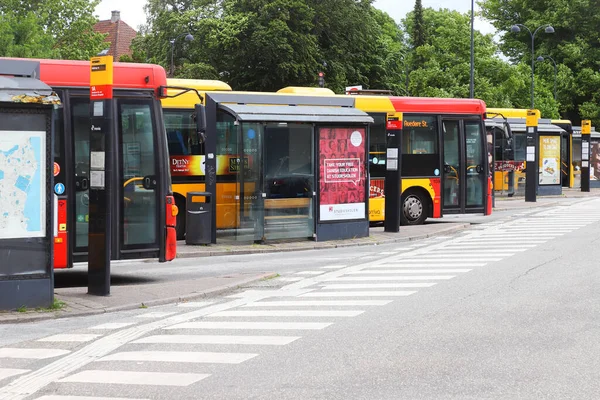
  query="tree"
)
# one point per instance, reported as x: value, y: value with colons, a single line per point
x: 269, y: 44
x: 63, y: 29
x: 575, y: 46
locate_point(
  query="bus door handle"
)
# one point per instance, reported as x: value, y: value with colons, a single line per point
x: 150, y: 182
x: 81, y: 184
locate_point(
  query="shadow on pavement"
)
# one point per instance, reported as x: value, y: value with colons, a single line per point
x: 73, y: 279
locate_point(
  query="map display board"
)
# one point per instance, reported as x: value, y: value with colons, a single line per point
x: 22, y: 184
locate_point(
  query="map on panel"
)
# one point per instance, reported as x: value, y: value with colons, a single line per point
x: 22, y: 184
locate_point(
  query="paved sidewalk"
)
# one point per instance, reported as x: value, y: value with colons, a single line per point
x: 377, y: 236
x: 127, y: 297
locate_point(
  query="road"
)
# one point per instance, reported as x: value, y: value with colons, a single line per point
x: 507, y: 310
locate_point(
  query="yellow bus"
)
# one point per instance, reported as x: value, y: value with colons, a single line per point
x: 570, y: 160
x: 444, y: 160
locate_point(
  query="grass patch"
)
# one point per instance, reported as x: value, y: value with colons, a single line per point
x: 22, y: 309
x: 268, y: 278
x: 143, y: 306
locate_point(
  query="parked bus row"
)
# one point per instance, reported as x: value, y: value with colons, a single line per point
x: 560, y: 152
x: 444, y: 159
x: 444, y: 155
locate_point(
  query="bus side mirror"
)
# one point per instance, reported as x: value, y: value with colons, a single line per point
x: 200, y: 119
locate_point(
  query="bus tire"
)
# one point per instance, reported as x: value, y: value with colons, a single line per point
x: 415, y: 206
x: 180, y: 228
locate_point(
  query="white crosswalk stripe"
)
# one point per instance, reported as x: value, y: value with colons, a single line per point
x: 8, y: 372
x: 135, y: 378
x: 310, y: 301
x: 219, y: 339
x: 35, y: 354
x: 82, y: 337
x: 252, y: 325
x: 287, y: 313
x: 181, y: 356
x: 318, y: 303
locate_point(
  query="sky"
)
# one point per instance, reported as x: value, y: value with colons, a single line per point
x: 132, y: 11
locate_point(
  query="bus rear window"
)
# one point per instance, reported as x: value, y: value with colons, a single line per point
x: 182, y: 136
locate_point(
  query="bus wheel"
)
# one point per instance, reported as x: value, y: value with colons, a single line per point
x: 414, y: 210
x: 180, y: 229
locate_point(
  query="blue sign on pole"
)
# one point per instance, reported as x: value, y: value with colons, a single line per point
x: 59, y: 188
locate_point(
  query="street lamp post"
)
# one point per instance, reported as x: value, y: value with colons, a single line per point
x: 542, y: 59
x: 516, y: 29
x: 472, y: 82
x: 188, y: 38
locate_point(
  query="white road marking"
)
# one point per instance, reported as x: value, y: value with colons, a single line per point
x: 409, y: 271
x: 334, y: 266
x: 355, y: 293
x: 55, y: 397
x: 252, y: 325
x: 375, y: 285
x: 389, y: 252
x: 287, y: 313
x: 318, y: 303
x: 34, y: 354
x: 391, y: 278
x: 181, y: 356
x: 80, y: 337
x: 219, y: 339
x: 428, y: 264
x: 290, y: 278
x: 156, y: 314
x: 194, y: 304
x: 310, y: 272
x: 135, y: 378
x: 8, y: 372
x: 113, y: 325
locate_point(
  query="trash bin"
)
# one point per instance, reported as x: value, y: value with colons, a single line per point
x: 198, y: 218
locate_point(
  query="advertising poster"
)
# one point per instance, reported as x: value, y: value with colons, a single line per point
x: 549, y: 160
x: 595, y: 161
x: 342, y: 173
x: 194, y: 165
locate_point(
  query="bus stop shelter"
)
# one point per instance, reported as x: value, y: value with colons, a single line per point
x: 27, y: 203
x: 287, y: 166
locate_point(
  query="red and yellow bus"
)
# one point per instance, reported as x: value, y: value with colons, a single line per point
x: 444, y: 152
x: 143, y: 219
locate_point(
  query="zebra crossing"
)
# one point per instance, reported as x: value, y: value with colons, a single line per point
x: 180, y: 346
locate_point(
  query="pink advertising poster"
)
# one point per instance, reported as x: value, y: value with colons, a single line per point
x: 342, y: 173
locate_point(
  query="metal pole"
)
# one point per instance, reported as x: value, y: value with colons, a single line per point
x: 532, y: 68
x: 171, y: 69
x: 555, y: 77
x: 472, y: 84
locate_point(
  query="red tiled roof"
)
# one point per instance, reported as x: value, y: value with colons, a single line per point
x: 120, y: 36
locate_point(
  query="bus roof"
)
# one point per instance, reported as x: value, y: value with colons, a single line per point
x: 313, y: 91
x: 189, y: 99
x: 68, y: 73
x: 438, y: 105
x: 512, y: 112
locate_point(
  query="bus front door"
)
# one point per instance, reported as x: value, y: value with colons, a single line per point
x: 464, y: 173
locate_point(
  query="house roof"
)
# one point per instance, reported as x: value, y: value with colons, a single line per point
x: 120, y: 35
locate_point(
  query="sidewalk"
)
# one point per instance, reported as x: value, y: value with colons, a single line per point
x: 128, y: 297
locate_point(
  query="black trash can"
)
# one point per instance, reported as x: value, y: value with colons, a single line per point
x: 198, y: 218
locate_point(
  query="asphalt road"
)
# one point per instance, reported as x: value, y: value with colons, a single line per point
x: 508, y: 310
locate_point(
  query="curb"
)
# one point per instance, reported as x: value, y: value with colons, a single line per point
x: 376, y: 242
x: 152, y: 303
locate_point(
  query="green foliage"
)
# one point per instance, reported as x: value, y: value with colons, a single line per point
x: 49, y: 29
x: 269, y: 44
x: 575, y: 46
